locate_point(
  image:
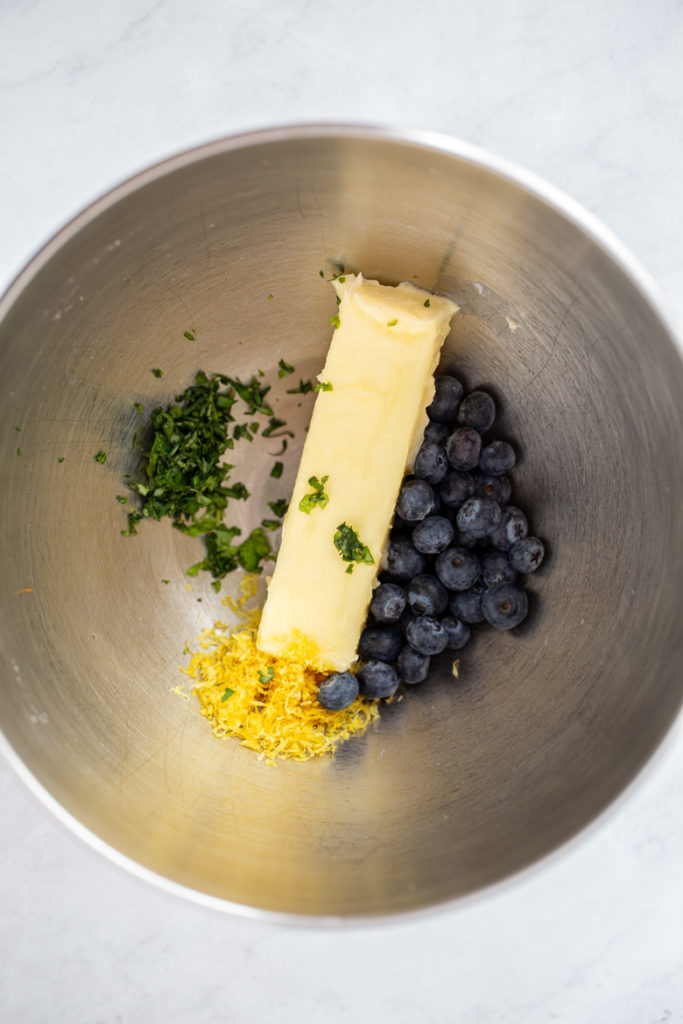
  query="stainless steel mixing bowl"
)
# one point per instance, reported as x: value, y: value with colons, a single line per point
x: 462, y: 783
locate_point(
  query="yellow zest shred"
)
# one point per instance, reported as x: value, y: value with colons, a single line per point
x: 273, y: 708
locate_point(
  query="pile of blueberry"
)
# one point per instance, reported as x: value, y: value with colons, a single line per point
x: 455, y: 556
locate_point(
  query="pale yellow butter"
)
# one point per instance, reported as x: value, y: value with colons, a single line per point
x: 363, y: 435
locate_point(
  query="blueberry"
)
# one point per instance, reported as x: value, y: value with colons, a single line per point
x: 495, y: 568
x: 497, y: 458
x: 379, y: 643
x: 448, y: 392
x: 338, y: 691
x: 432, y: 535
x: 504, y: 605
x: 400, y: 525
x: 408, y: 616
x: 437, y: 432
x: 431, y: 463
x: 412, y: 666
x: 526, y: 554
x: 457, y: 568
x: 457, y: 631
x: 427, y: 635
x: 463, y: 448
x: 377, y: 680
x: 427, y: 595
x: 456, y: 487
x: 388, y: 602
x: 478, y: 516
x: 497, y: 487
x: 466, y: 604
x: 477, y: 410
x: 512, y: 527
x: 403, y: 561
x: 416, y: 499
x: 465, y: 539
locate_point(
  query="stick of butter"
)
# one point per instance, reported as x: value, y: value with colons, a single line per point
x: 363, y: 435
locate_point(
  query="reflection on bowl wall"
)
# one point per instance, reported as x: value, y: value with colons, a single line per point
x: 461, y: 783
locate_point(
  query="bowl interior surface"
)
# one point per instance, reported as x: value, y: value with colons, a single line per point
x: 463, y: 782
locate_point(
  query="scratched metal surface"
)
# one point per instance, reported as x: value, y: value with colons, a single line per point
x: 460, y: 784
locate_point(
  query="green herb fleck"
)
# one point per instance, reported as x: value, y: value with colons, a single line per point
x: 189, y: 335
x: 274, y: 424
x: 322, y: 273
x: 252, y: 394
x: 427, y: 303
x: 254, y: 427
x: 253, y: 549
x: 165, y: 581
x: 61, y: 458
x: 317, y: 495
x: 224, y: 556
x: 285, y: 368
x: 350, y: 547
x: 323, y: 386
x: 138, y: 406
x: 276, y: 471
x: 279, y: 507
x: 122, y: 499
x: 270, y: 296
x: 242, y: 430
x: 271, y: 524
x: 304, y: 387
x: 282, y: 450
x: 391, y: 323
x: 265, y: 677
x: 157, y: 372
x: 100, y: 456
x: 335, y: 321
x: 227, y: 692
x: 18, y: 430
x: 20, y: 451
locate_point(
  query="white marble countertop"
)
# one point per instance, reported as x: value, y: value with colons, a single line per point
x: 588, y: 95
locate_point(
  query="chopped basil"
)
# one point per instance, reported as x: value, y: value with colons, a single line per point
x: 335, y: 321
x: 271, y: 524
x: 226, y: 693
x: 122, y: 499
x: 242, y: 430
x: 265, y: 677
x: 317, y: 495
x: 273, y: 425
x: 350, y: 547
x: 304, y: 387
x: 99, y: 456
x: 252, y: 394
x: 138, y: 406
x: 157, y: 372
x: 285, y: 368
x: 427, y: 303
x: 276, y: 471
x: 189, y: 335
x: 391, y: 323
x: 323, y: 386
x: 279, y: 507
x: 282, y: 450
